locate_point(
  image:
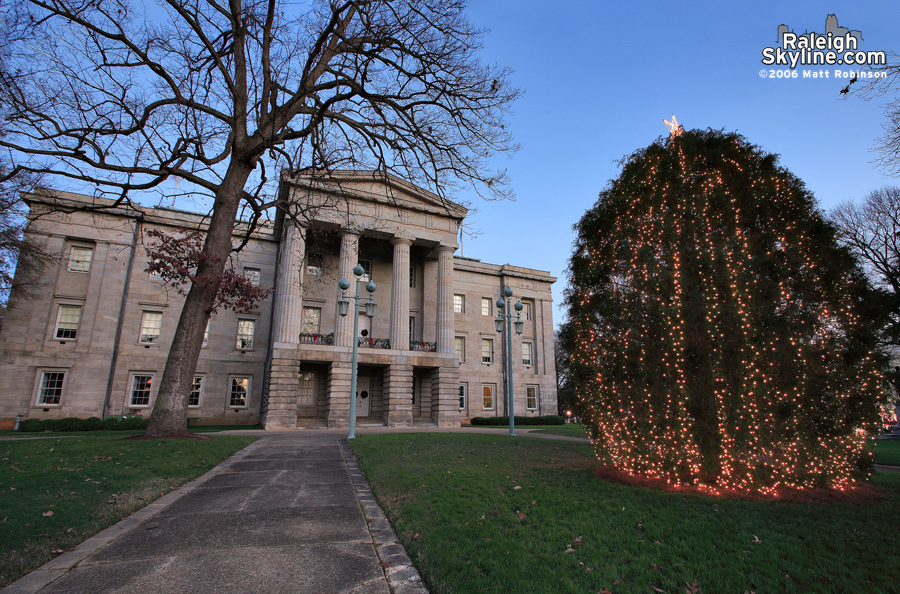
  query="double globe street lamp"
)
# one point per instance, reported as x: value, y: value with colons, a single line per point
x: 499, y: 324
x: 343, y: 307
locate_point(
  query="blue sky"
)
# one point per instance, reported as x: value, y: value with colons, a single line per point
x: 600, y: 77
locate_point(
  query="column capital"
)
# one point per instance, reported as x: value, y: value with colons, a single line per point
x: 400, y: 240
x: 445, y: 248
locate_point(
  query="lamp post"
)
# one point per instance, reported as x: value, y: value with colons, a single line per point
x: 343, y: 306
x: 499, y: 323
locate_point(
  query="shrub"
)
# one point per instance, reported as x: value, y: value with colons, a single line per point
x: 68, y: 424
x: 501, y: 421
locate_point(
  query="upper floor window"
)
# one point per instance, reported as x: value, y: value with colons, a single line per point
x: 311, y: 320
x: 67, y: 321
x: 487, y: 350
x: 459, y: 303
x: 252, y: 275
x: 459, y: 345
x: 80, y: 259
x: 245, y: 332
x: 412, y: 276
x: 206, y: 335
x: 151, y: 323
x: 315, y: 263
x: 367, y: 270
x: 526, y: 353
x: 486, y: 306
x: 412, y: 328
x: 526, y: 311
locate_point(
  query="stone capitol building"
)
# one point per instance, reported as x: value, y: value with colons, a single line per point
x: 91, y: 336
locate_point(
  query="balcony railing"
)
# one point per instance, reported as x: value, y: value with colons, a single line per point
x: 324, y: 339
x: 428, y: 347
x: 366, y: 342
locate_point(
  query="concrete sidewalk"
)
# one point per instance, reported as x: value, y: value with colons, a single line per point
x: 290, y: 513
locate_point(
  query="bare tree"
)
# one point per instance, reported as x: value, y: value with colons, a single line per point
x: 886, y: 87
x: 871, y: 229
x: 219, y: 95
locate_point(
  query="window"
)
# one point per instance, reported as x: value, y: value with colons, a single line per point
x: 80, y: 259
x: 151, y: 322
x: 245, y: 334
x: 463, y: 388
x: 486, y: 306
x: 531, y: 397
x: 487, y: 350
x: 487, y: 397
x: 140, y: 390
x: 459, y: 345
x: 240, y: 386
x: 306, y: 390
x: 206, y: 335
x: 155, y: 275
x: 196, y: 391
x: 526, y: 311
x: 315, y: 263
x: 50, y: 392
x: 67, y: 321
x: 459, y: 304
x: 311, y: 320
x: 252, y: 275
x: 412, y: 276
x: 412, y: 328
x: 526, y: 353
x: 367, y: 270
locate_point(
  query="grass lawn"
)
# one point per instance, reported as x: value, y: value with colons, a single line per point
x: 887, y: 451
x: 56, y: 493
x: 569, y: 430
x: 482, y: 513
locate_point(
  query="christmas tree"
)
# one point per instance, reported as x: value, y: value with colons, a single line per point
x: 716, y: 327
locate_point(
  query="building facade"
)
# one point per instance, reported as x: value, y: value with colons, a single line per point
x: 91, y: 338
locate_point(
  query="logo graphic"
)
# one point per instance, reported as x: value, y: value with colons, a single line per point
x: 837, y: 46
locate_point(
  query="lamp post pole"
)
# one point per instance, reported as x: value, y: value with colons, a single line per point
x: 343, y: 307
x: 499, y: 323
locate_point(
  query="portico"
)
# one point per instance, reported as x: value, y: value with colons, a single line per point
x: 404, y: 238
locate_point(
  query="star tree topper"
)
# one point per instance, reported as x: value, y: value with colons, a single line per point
x: 675, y: 129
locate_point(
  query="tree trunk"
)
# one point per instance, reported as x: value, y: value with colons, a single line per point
x: 169, y: 415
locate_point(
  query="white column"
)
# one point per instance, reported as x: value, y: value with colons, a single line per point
x: 445, y: 299
x: 399, y: 334
x: 289, y: 295
x: 343, y: 326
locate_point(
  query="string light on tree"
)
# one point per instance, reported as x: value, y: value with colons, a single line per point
x: 714, y: 324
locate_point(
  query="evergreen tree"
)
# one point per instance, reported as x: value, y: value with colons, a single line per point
x: 717, y: 329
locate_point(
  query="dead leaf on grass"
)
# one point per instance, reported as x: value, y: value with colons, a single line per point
x: 756, y: 539
x: 569, y: 550
x: 47, y: 514
x: 579, y: 540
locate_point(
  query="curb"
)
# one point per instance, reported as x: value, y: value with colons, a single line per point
x: 401, y: 575
x: 52, y: 570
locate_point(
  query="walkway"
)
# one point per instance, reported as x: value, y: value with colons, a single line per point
x: 290, y: 513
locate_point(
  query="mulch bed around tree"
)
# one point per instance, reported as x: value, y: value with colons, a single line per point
x: 863, y: 493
